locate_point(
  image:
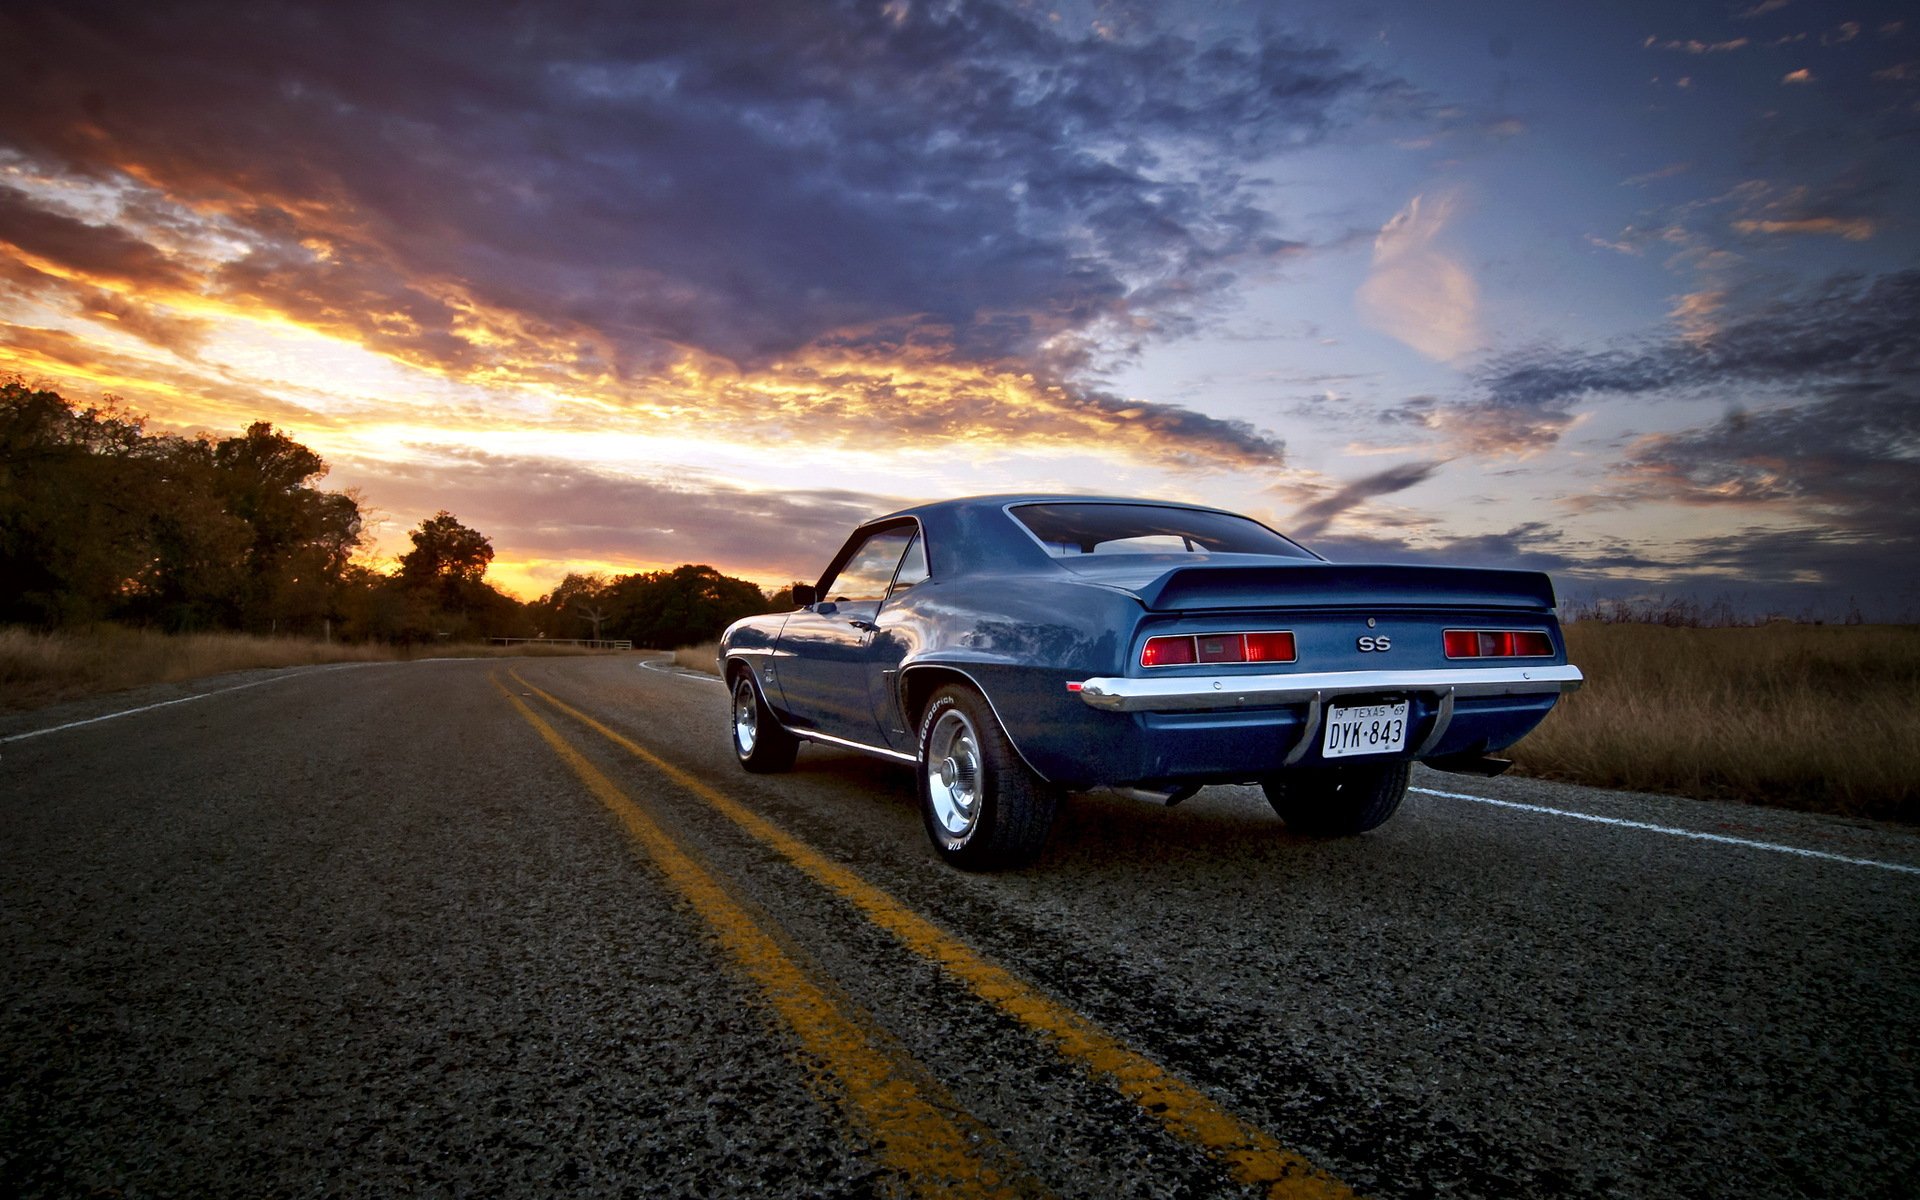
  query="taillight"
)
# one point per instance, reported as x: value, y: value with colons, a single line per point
x: 1167, y: 652
x: 1269, y: 647
x: 1497, y: 643
x: 1184, y: 649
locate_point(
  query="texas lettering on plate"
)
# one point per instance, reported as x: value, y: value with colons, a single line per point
x: 1365, y: 729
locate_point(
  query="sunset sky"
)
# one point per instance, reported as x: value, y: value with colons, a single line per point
x: 1629, y: 292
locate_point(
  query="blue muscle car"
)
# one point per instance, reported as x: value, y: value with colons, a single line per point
x: 1013, y: 648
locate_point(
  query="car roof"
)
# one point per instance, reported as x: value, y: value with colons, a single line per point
x: 1008, y: 499
x: 971, y: 534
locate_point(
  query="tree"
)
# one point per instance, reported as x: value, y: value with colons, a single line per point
x: 688, y: 604
x: 302, y: 538
x: 443, y: 579
x: 100, y: 520
x: 446, y: 552
x: 79, y: 491
x: 577, y: 598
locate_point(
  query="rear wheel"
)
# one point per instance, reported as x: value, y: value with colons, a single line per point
x: 1337, y: 801
x: 759, y: 741
x: 983, y: 808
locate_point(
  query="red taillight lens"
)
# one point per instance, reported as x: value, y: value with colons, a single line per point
x: 1184, y: 649
x: 1269, y: 647
x: 1167, y: 652
x: 1532, y: 644
x: 1497, y: 643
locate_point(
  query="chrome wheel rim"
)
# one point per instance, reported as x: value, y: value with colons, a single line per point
x: 746, y: 717
x: 954, y: 775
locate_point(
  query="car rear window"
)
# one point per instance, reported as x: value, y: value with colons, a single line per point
x: 1073, y: 529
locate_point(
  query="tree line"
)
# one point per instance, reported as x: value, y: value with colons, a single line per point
x: 101, y: 521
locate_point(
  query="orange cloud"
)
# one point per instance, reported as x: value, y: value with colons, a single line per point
x: 1854, y: 229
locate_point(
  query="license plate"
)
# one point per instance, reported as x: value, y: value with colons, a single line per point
x: 1365, y: 729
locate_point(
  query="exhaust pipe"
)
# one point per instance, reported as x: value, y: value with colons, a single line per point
x: 1168, y: 797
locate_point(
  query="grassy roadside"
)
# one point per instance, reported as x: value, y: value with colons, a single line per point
x: 39, y: 668
x: 699, y: 658
x: 1813, y: 717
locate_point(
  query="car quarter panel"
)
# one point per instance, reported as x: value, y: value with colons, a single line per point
x: 1017, y: 637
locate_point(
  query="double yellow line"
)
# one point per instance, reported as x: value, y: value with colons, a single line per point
x: 916, y: 1135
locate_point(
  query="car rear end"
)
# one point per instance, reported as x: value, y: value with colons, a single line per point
x: 1238, y: 672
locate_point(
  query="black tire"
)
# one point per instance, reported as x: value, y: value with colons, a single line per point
x: 1337, y: 801
x: 760, y: 742
x: 983, y: 807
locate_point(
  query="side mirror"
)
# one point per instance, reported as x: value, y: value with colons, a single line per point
x: 805, y: 595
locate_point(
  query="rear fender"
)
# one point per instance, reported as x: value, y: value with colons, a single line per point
x: 1051, y: 730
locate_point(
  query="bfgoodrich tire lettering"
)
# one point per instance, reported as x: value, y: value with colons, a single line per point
x: 760, y: 742
x: 1337, y: 801
x: 983, y: 808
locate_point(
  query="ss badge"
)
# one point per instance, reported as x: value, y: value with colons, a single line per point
x: 1382, y: 642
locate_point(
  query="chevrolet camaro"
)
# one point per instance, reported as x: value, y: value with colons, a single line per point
x: 1014, y: 648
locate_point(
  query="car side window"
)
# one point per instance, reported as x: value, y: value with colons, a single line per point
x: 869, y: 570
x: 913, y: 568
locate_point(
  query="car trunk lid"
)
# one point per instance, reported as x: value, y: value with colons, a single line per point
x: 1245, y: 581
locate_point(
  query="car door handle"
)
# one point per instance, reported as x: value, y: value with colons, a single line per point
x: 869, y: 626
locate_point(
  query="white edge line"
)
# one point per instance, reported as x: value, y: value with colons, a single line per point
x: 660, y: 666
x: 128, y: 712
x: 1668, y: 829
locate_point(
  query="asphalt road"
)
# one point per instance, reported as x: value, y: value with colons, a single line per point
x: 523, y: 928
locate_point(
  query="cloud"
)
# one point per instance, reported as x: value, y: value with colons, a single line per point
x: 1822, y: 437
x: 1845, y: 332
x: 1531, y: 545
x: 589, y: 203
x: 1417, y: 293
x: 546, y: 510
x: 1854, y: 229
x: 1695, y: 46
x: 1313, y: 518
x: 64, y: 246
x: 1801, y: 76
x: 1849, y: 459
x: 1755, y: 570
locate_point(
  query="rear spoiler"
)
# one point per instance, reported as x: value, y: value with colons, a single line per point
x: 1323, y: 584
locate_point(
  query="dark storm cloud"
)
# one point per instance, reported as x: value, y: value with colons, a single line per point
x: 548, y: 508
x: 606, y: 184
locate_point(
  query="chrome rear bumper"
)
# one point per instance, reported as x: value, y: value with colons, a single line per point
x: 1189, y: 693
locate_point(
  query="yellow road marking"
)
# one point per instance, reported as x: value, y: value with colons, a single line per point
x: 911, y: 1134
x: 1252, y: 1156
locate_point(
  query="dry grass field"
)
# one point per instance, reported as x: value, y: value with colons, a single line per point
x: 41, y: 668
x: 1816, y: 717
x: 698, y: 658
